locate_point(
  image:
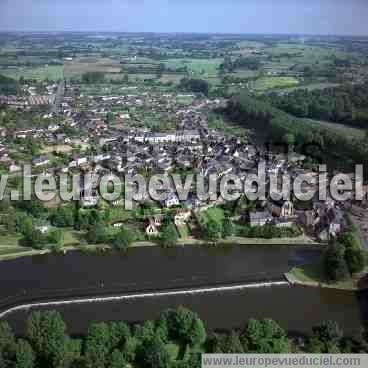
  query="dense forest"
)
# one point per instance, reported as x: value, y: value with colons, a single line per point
x: 323, y: 144
x: 8, y: 86
x: 175, y: 339
x: 346, y: 104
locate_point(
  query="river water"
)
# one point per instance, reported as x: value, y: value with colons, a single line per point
x: 142, y: 270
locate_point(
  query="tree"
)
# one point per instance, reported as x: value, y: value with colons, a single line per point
x: 334, y: 263
x: 315, y: 345
x: 227, y: 228
x: 193, y: 361
x: 46, y: 334
x: 161, y: 330
x: 119, y: 333
x: 326, y: 338
x: 328, y: 331
x: 124, y: 239
x: 145, y: 331
x: 24, y: 355
x: 97, y: 345
x: 7, y: 342
x: 226, y: 344
x: 168, y: 234
x: 117, y: 360
x: 264, y: 336
x: 355, y: 260
x: 63, y: 217
x: 97, y: 234
x: 26, y: 228
x: 153, y: 354
x: 184, y: 325
x: 211, y: 230
x: 130, y: 349
x: 349, y: 240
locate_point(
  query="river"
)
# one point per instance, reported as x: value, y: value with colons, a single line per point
x: 152, y: 269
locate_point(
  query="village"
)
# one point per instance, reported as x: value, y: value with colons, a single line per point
x: 115, y: 134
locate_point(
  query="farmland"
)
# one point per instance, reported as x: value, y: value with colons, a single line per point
x: 196, y: 67
x: 51, y: 72
x: 268, y: 83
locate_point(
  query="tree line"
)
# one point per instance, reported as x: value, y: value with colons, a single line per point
x: 175, y: 339
x: 323, y: 144
x: 8, y: 86
x: 347, y: 104
x: 344, y: 257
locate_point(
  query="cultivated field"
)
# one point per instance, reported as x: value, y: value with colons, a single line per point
x: 267, y: 83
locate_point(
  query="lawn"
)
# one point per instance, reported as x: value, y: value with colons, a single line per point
x: 267, y: 83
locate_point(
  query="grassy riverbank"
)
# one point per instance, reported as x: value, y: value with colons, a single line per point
x: 13, y: 250
x: 313, y: 275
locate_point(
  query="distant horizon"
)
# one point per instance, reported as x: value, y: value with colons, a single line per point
x: 284, y: 17
x: 184, y: 33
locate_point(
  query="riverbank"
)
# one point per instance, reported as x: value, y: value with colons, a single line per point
x: 312, y: 275
x: 18, y: 252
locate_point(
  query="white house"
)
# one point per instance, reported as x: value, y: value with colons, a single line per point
x: 151, y: 229
x: 172, y: 200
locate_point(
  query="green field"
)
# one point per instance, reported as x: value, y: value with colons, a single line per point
x: 197, y: 67
x: 52, y: 72
x: 267, y: 83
